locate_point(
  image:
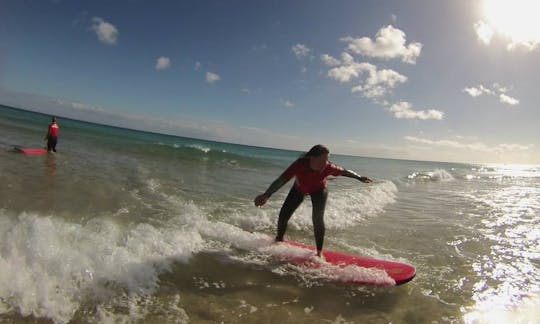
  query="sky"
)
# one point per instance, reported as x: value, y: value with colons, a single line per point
x: 423, y: 80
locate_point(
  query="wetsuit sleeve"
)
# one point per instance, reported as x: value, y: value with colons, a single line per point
x: 291, y: 171
x: 282, y: 179
x: 335, y: 170
x: 354, y: 175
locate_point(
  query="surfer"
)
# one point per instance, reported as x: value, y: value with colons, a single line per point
x: 52, y: 135
x: 311, y: 171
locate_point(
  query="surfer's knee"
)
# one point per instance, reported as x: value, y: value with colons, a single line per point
x: 319, y: 198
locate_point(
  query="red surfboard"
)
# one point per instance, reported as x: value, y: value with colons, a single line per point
x: 399, y: 272
x: 31, y: 150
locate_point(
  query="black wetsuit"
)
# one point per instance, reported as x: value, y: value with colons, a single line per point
x: 51, y: 143
x: 293, y: 200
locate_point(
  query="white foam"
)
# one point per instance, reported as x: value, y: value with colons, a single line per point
x: 153, y: 185
x: 346, y: 207
x: 258, y: 219
x: 200, y: 148
x: 233, y: 236
x: 48, y: 266
x: 471, y: 177
x: 244, y: 304
x: 315, y: 269
x: 439, y: 175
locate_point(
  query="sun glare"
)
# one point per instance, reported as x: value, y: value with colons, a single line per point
x: 516, y: 19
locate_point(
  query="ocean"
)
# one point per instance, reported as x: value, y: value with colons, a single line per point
x: 125, y: 226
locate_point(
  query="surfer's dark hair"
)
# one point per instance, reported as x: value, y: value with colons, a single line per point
x: 315, y: 151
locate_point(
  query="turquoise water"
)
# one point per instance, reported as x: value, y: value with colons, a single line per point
x: 128, y: 226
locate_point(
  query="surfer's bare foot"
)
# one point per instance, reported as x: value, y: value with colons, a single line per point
x: 320, y: 256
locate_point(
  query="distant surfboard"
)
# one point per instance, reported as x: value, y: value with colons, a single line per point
x: 30, y: 150
x: 399, y: 272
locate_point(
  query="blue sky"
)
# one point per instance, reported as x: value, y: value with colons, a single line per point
x: 428, y: 80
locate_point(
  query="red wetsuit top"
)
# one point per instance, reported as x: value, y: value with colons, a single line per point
x: 53, y: 129
x: 308, y: 180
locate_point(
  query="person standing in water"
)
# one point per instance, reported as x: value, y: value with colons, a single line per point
x: 52, y: 135
x: 311, y: 171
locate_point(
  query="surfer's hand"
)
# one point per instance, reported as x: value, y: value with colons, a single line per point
x: 366, y: 180
x: 260, y: 200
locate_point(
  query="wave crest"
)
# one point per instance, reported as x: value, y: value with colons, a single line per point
x: 439, y: 175
x: 51, y: 268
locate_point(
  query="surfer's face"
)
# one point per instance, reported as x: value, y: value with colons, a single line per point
x: 317, y: 163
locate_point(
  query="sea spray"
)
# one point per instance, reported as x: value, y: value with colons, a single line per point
x: 48, y: 267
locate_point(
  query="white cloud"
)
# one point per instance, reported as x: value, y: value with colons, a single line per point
x: 473, y: 92
x: 515, y: 147
x: 389, y: 43
x: 404, y: 110
x: 163, y: 63
x: 197, y: 66
x: 508, y: 100
x: 375, y: 85
x: 500, y: 88
x: 212, y: 77
x: 477, y: 91
x: 484, y: 32
x: 379, y: 82
x: 528, y: 45
x: 329, y: 60
x: 475, y: 146
x: 300, y: 51
x: 106, y: 32
x: 287, y: 103
x: 78, y: 106
x: 446, y: 143
x: 496, y: 90
x: 347, y: 58
x: 348, y: 71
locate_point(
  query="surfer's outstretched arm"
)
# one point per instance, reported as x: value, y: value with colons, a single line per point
x: 278, y: 183
x: 354, y: 175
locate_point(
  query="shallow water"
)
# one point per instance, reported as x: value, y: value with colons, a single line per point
x: 126, y: 226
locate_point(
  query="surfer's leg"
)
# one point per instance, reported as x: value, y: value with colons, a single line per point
x: 54, y: 141
x: 293, y: 200
x: 49, y: 144
x: 318, y: 200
